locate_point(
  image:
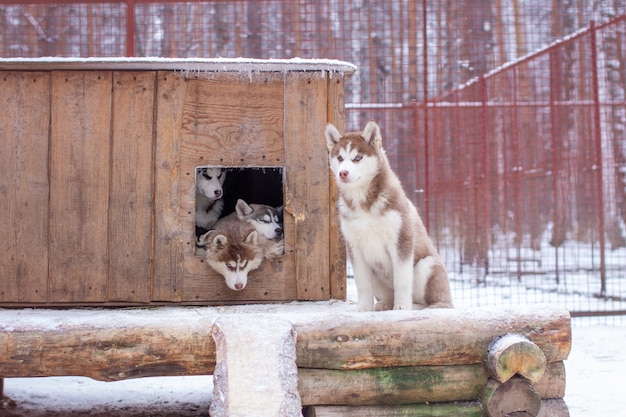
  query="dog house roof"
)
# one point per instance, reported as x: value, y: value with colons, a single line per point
x: 243, y: 65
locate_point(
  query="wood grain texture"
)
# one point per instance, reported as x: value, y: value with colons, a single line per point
x: 408, y: 385
x: 306, y: 190
x: 168, y: 240
x: 24, y: 186
x: 458, y: 409
x: 108, y: 347
x: 131, y: 192
x: 79, y: 185
x: 549, y: 408
x: 336, y: 245
x: 514, y: 354
x: 427, y: 337
x: 517, y: 397
x: 232, y: 120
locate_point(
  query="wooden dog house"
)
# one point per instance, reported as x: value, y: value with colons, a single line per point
x: 97, y: 163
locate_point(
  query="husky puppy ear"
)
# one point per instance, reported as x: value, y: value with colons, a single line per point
x: 203, y: 240
x: 242, y: 208
x: 332, y: 136
x: 220, y: 241
x: 252, y: 237
x: 371, y: 134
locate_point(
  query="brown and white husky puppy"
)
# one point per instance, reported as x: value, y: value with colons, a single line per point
x: 395, y: 263
x: 235, y: 248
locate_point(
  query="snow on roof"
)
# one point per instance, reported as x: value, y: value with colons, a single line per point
x: 244, y: 65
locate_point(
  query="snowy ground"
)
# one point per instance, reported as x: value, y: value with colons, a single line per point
x: 595, y: 370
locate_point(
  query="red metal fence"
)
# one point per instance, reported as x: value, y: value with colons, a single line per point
x: 505, y: 120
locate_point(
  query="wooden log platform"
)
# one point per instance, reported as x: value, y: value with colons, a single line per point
x: 343, y: 358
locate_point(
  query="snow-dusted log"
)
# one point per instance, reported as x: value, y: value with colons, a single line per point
x: 106, y: 345
x: 426, y: 337
x: 256, y: 374
x: 410, y: 384
x: 514, y: 354
x: 517, y: 396
x: 121, y: 344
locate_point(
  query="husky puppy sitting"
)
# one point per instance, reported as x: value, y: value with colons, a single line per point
x: 209, y: 193
x: 265, y: 219
x: 395, y: 263
x: 235, y: 248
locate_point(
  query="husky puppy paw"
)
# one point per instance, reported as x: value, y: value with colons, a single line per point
x: 382, y: 306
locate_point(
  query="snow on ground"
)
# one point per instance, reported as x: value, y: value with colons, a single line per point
x: 594, y: 368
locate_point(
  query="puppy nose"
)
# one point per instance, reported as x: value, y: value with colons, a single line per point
x: 278, y: 230
x: 238, y: 286
x: 218, y: 193
x: 343, y: 174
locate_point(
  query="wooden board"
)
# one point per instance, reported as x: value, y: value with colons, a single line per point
x: 306, y: 191
x: 24, y: 186
x: 232, y: 120
x: 168, y: 243
x: 337, y: 248
x: 79, y: 185
x: 131, y: 204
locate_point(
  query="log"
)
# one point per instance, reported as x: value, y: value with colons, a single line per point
x: 409, y: 385
x: 514, y: 354
x: 106, y: 345
x: 515, y: 396
x: 553, y: 408
x: 256, y: 374
x: 426, y: 337
x: 460, y: 409
x: 120, y: 344
x: 549, y: 408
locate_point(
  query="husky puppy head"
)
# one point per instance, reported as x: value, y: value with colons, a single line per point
x: 209, y: 182
x: 233, y: 251
x: 265, y: 219
x: 355, y: 158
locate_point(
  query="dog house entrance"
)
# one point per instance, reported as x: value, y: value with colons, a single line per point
x: 223, y: 187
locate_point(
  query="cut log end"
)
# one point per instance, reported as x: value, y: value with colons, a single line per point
x: 514, y: 354
x: 516, y: 397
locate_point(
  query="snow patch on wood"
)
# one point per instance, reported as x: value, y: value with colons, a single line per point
x: 256, y: 373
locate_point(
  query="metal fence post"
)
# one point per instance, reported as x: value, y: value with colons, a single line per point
x: 130, y: 28
x: 597, y: 133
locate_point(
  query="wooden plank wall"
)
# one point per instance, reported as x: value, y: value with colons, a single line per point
x: 97, y: 183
